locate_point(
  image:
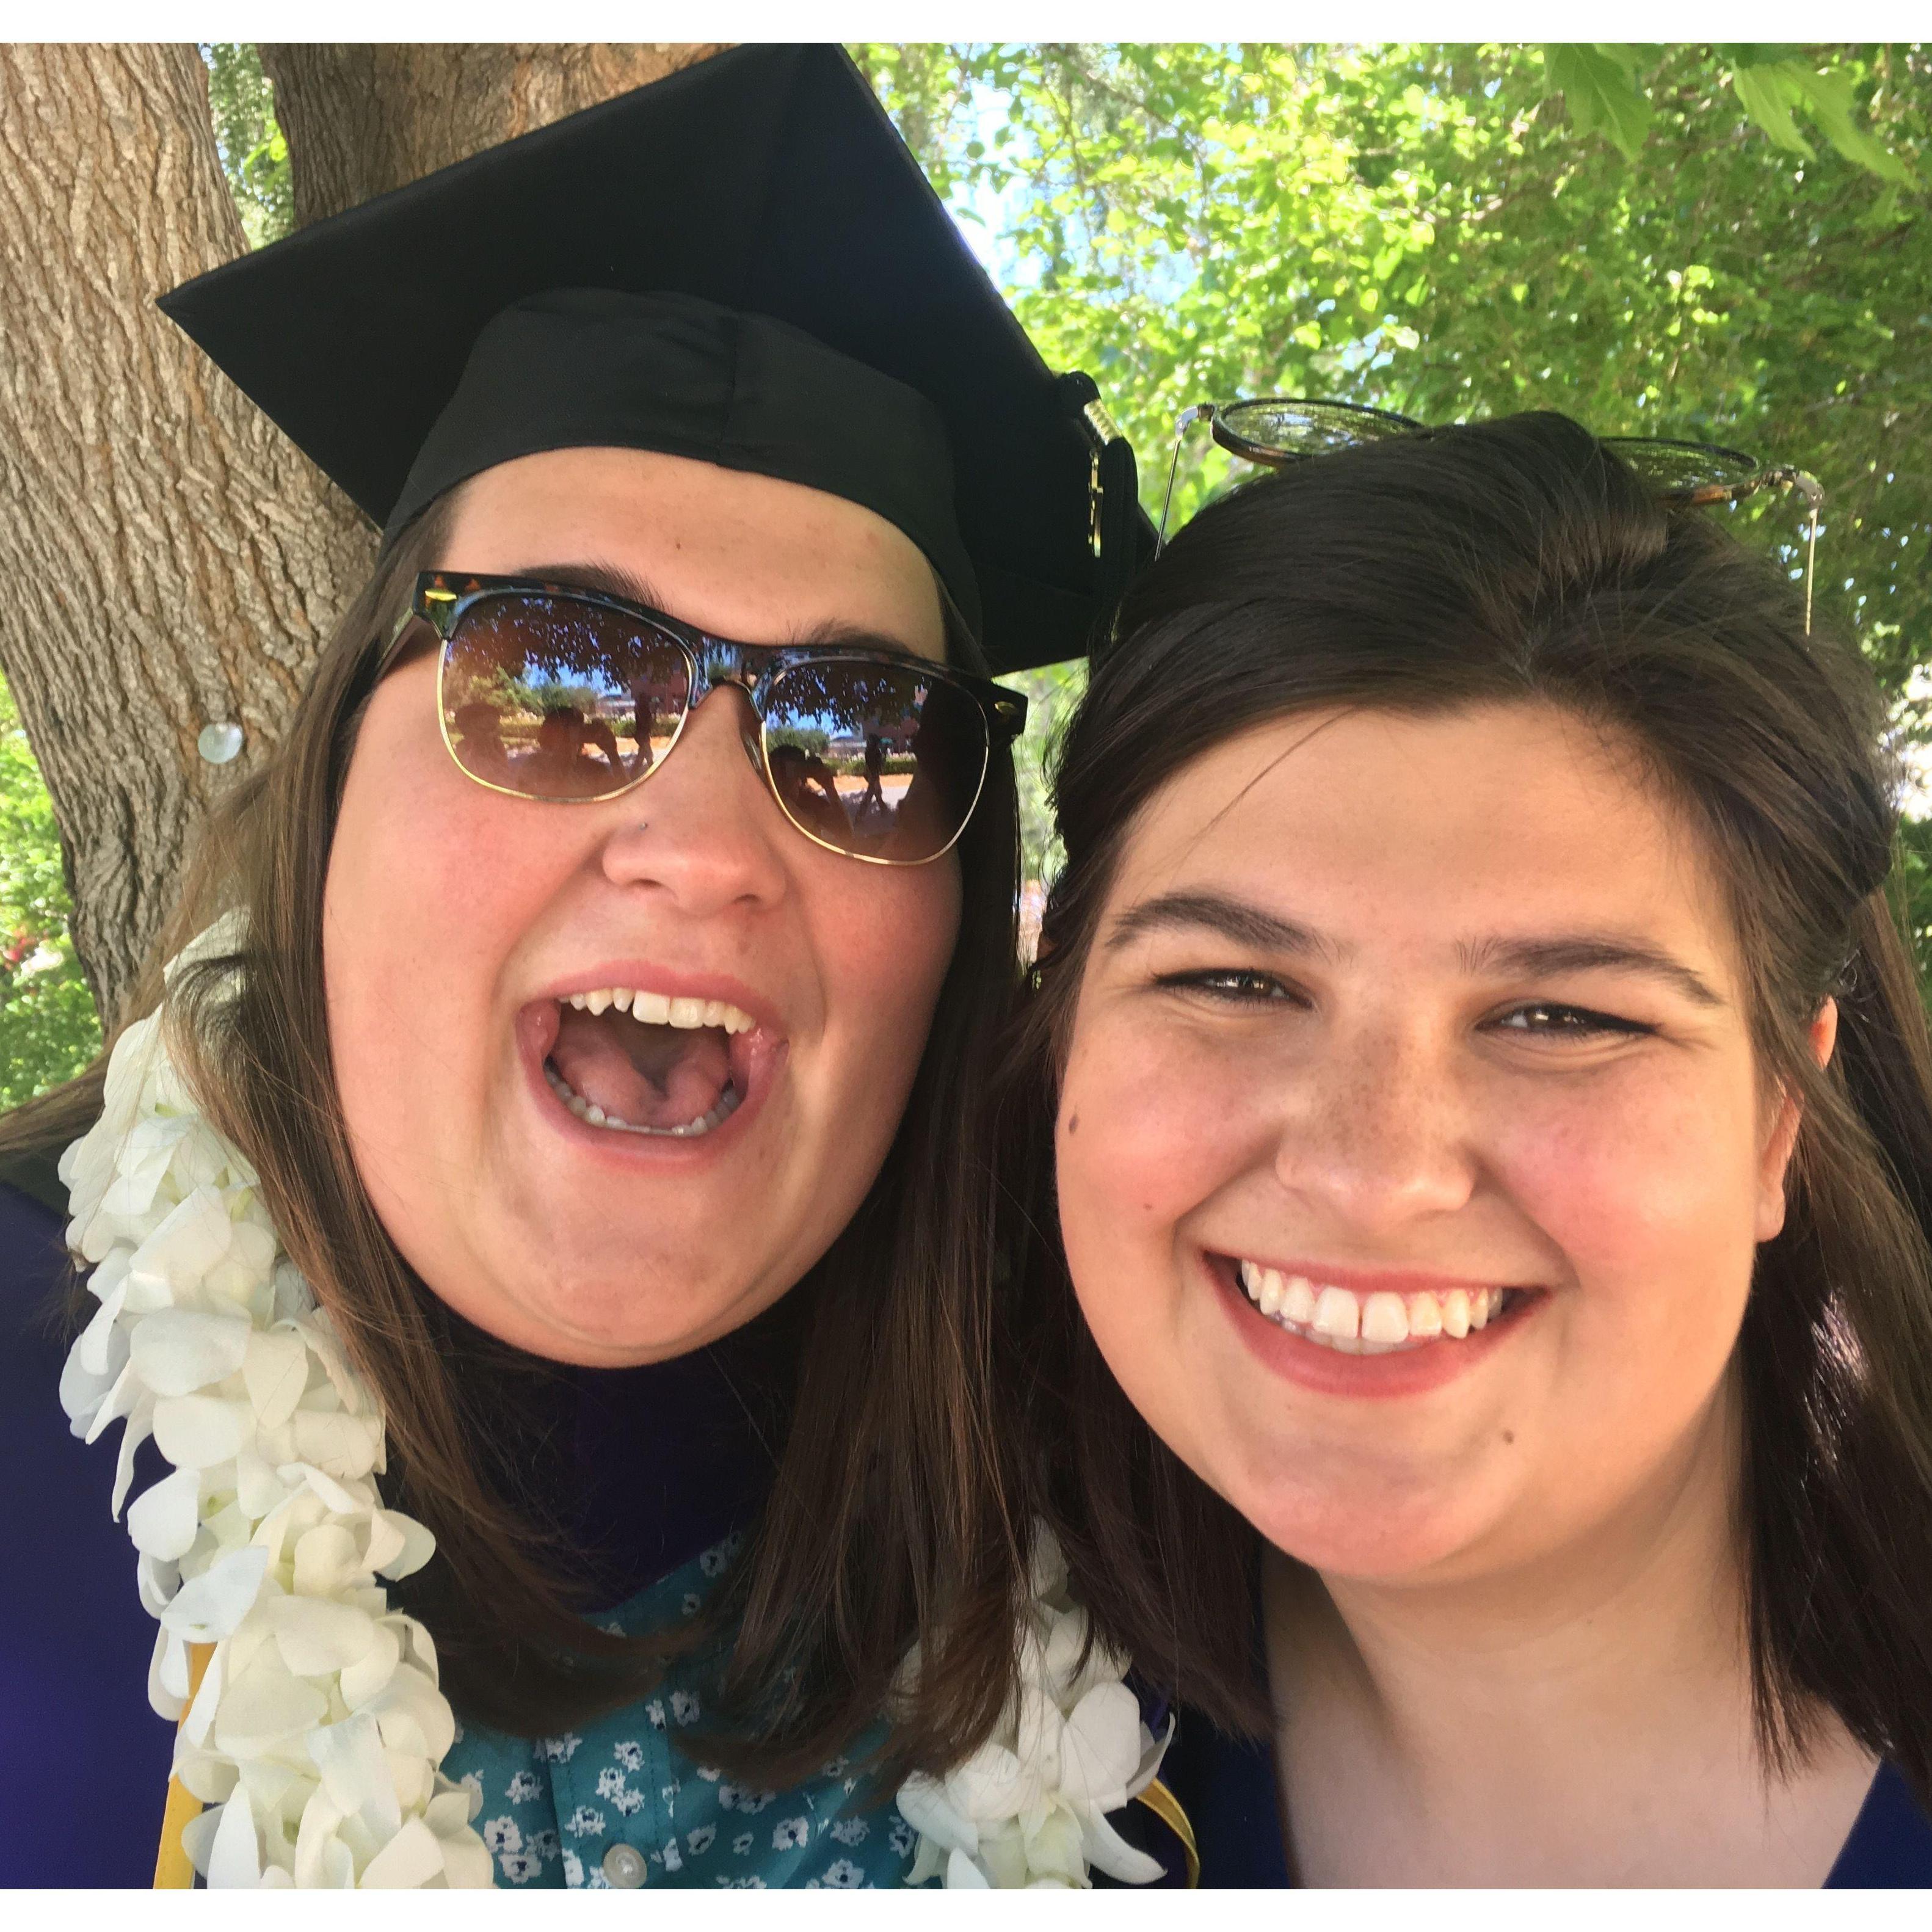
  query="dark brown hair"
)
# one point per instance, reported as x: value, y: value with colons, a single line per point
x: 888, y: 1506
x: 1519, y: 561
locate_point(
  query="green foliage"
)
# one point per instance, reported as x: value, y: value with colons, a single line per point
x: 1433, y: 229
x: 48, y: 1026
x: 1601, y: 89
x: 254, y: 155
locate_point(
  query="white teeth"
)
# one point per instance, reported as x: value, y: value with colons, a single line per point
x: 1337, y: 1313
x: 655, y: 1009
x: 1371, y: 1325
x: 728, y: 1103
x: 1384, y: 1318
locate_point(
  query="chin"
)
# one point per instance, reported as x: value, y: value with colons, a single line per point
x: 1357, y: 1526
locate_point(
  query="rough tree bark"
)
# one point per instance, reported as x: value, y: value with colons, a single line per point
x: 171, y: 561
x: 362, y: 119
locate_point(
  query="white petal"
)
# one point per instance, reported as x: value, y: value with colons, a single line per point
x: 193, y: 1238
x: 326, y: 1559
x: 179, y: 1350
x: 1100, y: 1748
x: 414, y: 1545
x: 276, y: 1372
x: 198, y: 1837
x: 257, y: 1488
x: 196, y: 1430
x: 1053, y: 1852
x: 263, y: 1706
x: 94, y: 1351
x: 411, y: 1858
x: 317, y: 1638
x: 209, y: 1607
x: 365, y: 1678
x: 344, y: 1445
x: 167, y: 1676
x: 138, y: 1428
x: 235, y: 1858
x: 466, y: 1861
x: 1107, y: 1851
x: 992, y: 1783
x: 923, y: 1803
x: 343, y: 1500
x: 82, y: 1390
x: 414, y: 1715
x: 157, y: 1583
x: 963, y: 1875
x: 322, y: 1860
x: 165, y: 1518
x: 194, y: 1728
x: 355, y: 1773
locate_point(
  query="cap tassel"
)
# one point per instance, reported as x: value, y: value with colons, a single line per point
x: 1114, y: 496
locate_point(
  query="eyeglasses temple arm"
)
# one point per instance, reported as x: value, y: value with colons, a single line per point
x: 1200, y: 412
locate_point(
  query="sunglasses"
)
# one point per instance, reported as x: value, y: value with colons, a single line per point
x: 1276, y: 430
x: 569, y: 697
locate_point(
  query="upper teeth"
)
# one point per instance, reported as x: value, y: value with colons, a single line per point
x: 1366, y: 1324
x: 655, y: 1009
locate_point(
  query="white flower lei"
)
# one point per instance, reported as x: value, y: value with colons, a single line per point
x: 1028, y: 1808
x: 317, y: 1734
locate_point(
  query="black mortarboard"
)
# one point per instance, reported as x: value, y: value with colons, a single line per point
x: 741, y: 262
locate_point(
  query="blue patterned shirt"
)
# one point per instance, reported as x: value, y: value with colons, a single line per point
x: 622, y: 1802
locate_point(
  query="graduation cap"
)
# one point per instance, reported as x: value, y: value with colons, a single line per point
x: 742, y: 262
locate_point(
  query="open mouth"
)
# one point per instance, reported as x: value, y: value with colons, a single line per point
x: 637, y: 1063
x: 1378, y: 1323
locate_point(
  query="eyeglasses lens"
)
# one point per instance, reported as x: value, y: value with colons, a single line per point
x: 553, y: 698
x: 1278, y: 429
x: 1686, y: 472
x: 874, y: 760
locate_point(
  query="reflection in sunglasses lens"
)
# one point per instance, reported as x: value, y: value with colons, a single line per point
x: 873, y: 759
x: 552, y: 698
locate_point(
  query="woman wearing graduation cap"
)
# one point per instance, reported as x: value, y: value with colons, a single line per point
x: 530, y: 1228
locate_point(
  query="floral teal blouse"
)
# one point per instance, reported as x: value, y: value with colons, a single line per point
x: 623, y: 1803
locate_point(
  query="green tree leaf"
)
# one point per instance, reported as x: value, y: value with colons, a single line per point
x: 1600, y: 88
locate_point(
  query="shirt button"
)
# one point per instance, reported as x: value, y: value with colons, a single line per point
x: 624, y: 1867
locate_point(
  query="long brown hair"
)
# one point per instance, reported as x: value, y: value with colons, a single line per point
x: 888, y: 1506
x: 1512, y: 561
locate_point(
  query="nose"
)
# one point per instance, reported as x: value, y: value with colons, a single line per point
x: 1375, y: 1136
x: 703, y: 827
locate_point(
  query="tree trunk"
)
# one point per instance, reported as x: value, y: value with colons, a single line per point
x: 170, y: 559
x: 362, y: 119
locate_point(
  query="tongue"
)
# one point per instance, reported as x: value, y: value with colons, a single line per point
x: 648, y: 1076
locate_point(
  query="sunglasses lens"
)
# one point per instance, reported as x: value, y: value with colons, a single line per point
x: 872, y: 760
x: 1687, y: 472
x: 1283, y: 429
x: 552, y: 698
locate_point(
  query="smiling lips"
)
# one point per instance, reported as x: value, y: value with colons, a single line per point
x: 640, y: 1063
x: 1375, y: 1324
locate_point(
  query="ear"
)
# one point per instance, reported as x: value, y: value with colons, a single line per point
x: 1776, y: 1158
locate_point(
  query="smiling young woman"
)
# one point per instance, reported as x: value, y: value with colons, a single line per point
x: 1492, y: 1119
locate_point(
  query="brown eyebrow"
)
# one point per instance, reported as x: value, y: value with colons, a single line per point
x: 1248, y: 925
x: 1233, y: 919
x: 615, y: 581
x: 1587, y: 952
